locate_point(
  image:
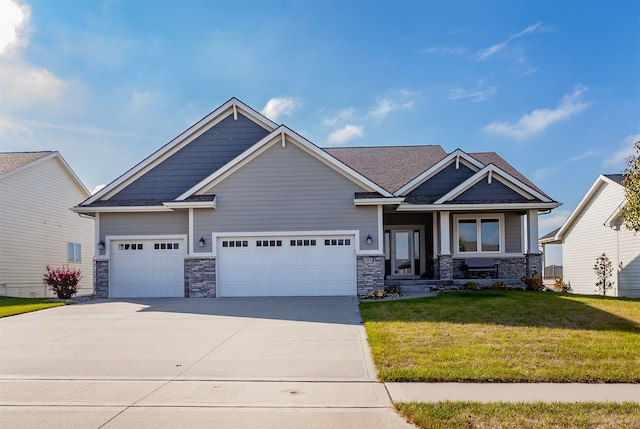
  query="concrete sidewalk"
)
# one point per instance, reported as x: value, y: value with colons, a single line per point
x: 514, y: 392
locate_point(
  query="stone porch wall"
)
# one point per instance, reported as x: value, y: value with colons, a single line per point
x: 200, y: 278
x: 370, y: 274
x: 508, y: 268
x: 101, y: 279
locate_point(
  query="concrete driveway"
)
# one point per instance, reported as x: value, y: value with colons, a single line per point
x: 238, y: 362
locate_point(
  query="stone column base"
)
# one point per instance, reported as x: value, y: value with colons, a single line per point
x: 101, y: 279
x: 534, y: 263
x: 445, y: 267
x: 370, y: 274
x: 200, y: 278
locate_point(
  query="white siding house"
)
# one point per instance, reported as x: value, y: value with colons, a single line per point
x: 37, y: 229
x: 595, y: 228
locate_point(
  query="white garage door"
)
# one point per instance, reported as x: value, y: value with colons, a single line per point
x: 285, y: 266
x: 147, y: 268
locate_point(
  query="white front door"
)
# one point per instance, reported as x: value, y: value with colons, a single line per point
x: 286, y: 266
x: 146, y: 268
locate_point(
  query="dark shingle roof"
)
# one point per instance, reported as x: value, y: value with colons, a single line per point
x: 389, y: 166
x: 12, y: 160
x: 618, y: 178
x: 495, y: 159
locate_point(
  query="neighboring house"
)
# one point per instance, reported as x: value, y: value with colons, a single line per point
x: 240, y: 206
x: 37, y: 229
x: 595, y: 227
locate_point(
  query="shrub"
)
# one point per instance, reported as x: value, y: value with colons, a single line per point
x: 63, y: 281
x: 499, y: 286
x: 471, y: 286
x: 534, y: 282
x: 559, y: 285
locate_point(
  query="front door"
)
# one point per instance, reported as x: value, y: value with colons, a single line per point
x: 402, y: 258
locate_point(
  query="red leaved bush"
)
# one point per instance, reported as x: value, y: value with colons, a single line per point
x: 63, y: 281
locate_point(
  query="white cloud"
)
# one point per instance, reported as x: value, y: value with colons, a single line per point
x: 446, y: 50
x: 494, y: 49
x: 24, y: 85
x: 97, y: 188
x: 385, y: 106
x: 14, y: 19
x: 345, y: 134
x: 345, y: 115
x: 537, y: 121
x: 618, y: 157
x: 279, y: 106
x: 553, y: 220
x: 479, y: 93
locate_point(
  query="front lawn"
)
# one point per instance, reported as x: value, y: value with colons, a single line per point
x: 465, y: 415
x: 505, y: 336
x: 10, y: 306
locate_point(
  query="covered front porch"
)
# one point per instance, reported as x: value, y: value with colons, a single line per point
x: 453, y: 247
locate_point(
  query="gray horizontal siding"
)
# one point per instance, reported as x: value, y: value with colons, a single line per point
x: 513, y: 233
x: 444, y: 181
x: 286, y: 189
x: 197, y: 160
x: 163, y: 223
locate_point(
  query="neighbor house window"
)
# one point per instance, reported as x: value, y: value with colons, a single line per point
x: 73, y: 252
x: 479, y: 234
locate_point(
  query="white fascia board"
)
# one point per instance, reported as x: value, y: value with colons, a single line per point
x: 601, y: 180
x: 121, y: 209
x: 377, y: 201
x: 276, y: 137
x: 476, y: 207
x: 179, y: 142
x: 513, y: 183
x: 469, y: 161
x: 191, y: 204
x: 616, y: 214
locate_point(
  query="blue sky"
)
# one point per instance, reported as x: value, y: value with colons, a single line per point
x: 553, y: 87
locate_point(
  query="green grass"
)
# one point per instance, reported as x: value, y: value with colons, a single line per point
x: 11, y: 306
x: 505, y: 336
x: 539, y: 415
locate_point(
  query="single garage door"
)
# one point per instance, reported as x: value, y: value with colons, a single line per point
x: 286, y: 266
x: 147, y: 268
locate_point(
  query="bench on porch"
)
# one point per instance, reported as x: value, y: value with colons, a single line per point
x: 476, y: 265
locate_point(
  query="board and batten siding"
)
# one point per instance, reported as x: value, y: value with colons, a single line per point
x: 589, y: 238
x: 205, y: 154
x: 36, y: 225
x: 286, y: 189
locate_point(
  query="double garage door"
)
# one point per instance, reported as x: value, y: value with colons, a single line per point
x: 286, y: 266
x: 245, y: 266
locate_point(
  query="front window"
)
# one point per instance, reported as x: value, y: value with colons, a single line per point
x: 478, y: 234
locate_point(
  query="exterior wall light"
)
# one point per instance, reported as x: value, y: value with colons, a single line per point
x: 369, y: 239
x: 201, y: 242
x: 101, y: 245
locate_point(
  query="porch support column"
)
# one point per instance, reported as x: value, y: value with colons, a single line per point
x: 445, y: 259
x: 533, y: 258
x: 532, y: 231
x: 445, y: 243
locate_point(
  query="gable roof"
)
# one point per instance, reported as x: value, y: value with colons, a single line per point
x: 191, y: 165
x: 10, y: 161
x: 232, y: 107
x: 603, y: 179
x: 13, y: 162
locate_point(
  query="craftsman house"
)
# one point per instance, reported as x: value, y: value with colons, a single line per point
x: 238, y: 205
